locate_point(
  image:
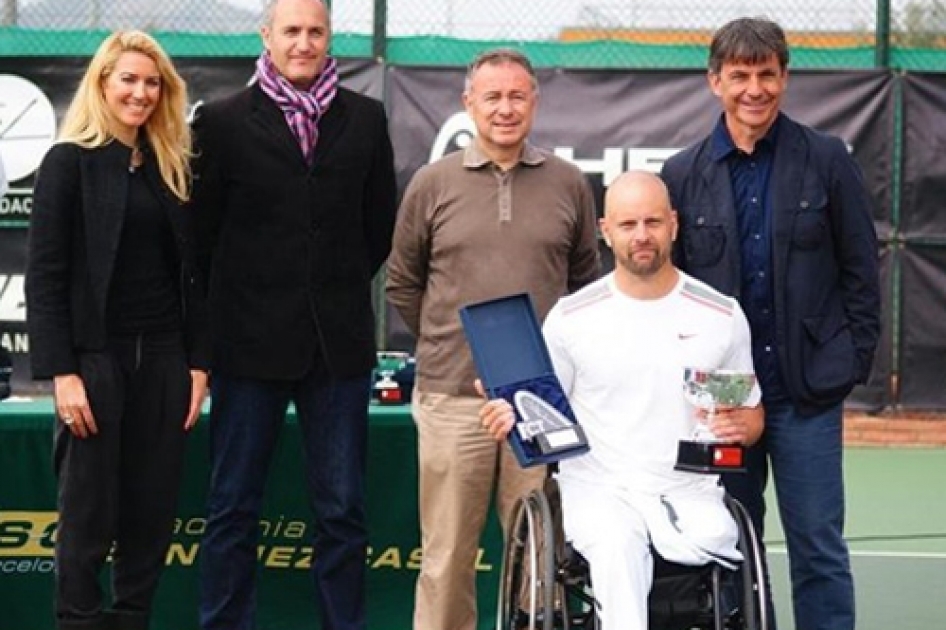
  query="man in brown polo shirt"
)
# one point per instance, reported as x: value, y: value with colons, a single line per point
x: 497, y: 218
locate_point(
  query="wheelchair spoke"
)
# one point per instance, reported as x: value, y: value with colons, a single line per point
x: 533, y: 564
x: 753, y: 610
x: 511, y: 576
x: 529, y: 554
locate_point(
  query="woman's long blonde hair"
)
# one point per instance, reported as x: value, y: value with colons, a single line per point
x: 88, y: 121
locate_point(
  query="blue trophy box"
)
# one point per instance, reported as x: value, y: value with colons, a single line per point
x: 513, y: 362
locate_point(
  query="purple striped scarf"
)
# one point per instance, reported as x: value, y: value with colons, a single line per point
x: 302, y: 108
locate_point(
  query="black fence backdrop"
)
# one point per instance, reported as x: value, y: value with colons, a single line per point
x: 921, y: 245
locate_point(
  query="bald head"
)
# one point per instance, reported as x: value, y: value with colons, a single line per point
x: 639, y: 226
x: 636, y: 188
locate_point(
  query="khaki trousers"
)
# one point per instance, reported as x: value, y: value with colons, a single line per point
x: 459, y: 466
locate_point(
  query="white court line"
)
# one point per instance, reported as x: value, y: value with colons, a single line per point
x: 920, y: 555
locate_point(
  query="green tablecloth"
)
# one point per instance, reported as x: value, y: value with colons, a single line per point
x: 286, y: 602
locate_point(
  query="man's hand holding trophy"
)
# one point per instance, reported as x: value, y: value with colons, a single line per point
x: 710, y: 390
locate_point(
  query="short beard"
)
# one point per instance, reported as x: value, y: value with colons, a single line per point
x: 644, y: 270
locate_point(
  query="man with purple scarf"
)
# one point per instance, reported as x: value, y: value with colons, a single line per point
x: 295, y: 199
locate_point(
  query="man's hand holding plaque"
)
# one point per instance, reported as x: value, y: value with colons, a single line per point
x: 710, y: 390
x: 528, y: 404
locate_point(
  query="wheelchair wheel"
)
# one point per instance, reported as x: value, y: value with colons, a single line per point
x: 527, y: 587
x: 754, y: 613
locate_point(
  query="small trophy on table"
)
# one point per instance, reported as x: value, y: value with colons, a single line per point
x: 386, y: 390
x: 708, y: 389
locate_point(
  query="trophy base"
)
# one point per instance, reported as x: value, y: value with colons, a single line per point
x: 561, y: 440
x: 710, y: 457
x: 386, y: 391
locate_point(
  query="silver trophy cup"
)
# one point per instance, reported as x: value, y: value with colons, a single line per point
x: 708, y: 389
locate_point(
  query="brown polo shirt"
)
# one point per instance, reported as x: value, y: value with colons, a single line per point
x: 467, y: 231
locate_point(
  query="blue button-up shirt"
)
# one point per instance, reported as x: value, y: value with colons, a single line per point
x: 749, y: 174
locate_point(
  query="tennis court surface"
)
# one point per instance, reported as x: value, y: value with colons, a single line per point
x: 896, y: 529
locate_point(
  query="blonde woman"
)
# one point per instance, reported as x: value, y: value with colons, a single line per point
x: 117, y: 321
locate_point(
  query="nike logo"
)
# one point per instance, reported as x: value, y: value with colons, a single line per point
x: 686, y: 335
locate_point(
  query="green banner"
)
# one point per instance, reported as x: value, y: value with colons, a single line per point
x: 286, y: 598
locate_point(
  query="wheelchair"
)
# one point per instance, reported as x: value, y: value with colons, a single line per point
x: 546, y: 585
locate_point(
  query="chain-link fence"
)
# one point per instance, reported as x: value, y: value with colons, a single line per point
x: 586, y: 33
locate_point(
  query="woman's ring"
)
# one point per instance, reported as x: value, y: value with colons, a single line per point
x: 67, y: 420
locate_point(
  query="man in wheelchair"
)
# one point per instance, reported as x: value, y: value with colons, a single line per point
x: 619, y: 347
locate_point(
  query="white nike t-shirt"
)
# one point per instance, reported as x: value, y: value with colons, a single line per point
x: 621, y: 362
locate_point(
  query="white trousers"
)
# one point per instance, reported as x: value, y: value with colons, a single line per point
x: 614, y: 530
